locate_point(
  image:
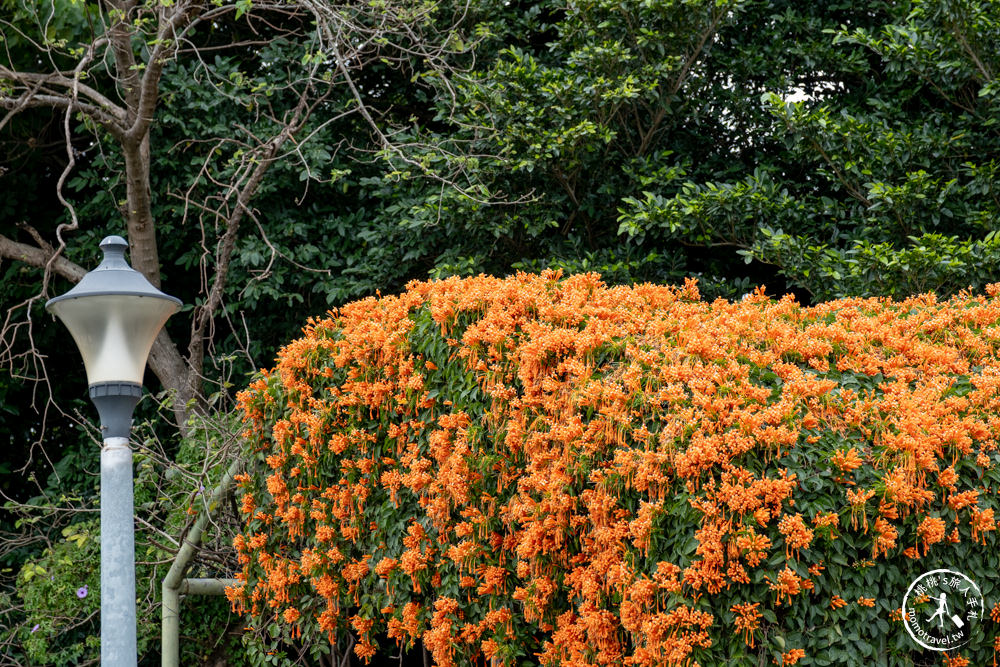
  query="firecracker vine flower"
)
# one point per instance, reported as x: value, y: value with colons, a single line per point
x: 747, y: 619
x: 581, y: 474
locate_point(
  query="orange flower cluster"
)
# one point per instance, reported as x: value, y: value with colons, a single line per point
x: 788, y: 584
x: 797, y: 534
x: 747, y: 619
x: 846, y: 460
x: 791, y: 657
x: 557, y: 470
x: 931, y: 530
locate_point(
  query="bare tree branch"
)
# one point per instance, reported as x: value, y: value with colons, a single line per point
x: 56, y: 83
x: 260, y: 165
x: 40, y: 258
x: 164, y: 48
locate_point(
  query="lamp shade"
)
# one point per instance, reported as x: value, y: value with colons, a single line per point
x: 114, y: 314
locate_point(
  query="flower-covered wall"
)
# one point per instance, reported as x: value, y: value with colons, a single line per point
x: 551, y: 470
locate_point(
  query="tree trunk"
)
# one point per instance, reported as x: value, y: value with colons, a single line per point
x: 139, y: 212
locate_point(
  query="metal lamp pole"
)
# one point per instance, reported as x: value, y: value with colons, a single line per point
x: 114, y: 314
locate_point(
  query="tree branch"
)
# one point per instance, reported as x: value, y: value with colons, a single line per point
x: 40, y: 258
x: 853, y: 191
x: 166, y: 46
x: 679, y: 80
x: 36, y: 101
x: 206, y: 312
x: 960, y: 37
x: 61, y: 80
x: 120, y: 35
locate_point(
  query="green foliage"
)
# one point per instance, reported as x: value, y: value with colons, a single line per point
x: 168, y: 495
x: 60, y: 593
x: 646, y: 141
x: 892, y: 149
x: 838, y: 148
x: 886, y: 160
x: 929, y: 263
x: 580, y: 113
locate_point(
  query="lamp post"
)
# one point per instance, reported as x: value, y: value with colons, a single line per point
x: 114, y: 314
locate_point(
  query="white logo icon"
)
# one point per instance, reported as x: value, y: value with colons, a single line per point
x: 940, y: 609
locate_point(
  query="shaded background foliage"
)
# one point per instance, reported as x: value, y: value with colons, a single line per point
x: 828, y: 149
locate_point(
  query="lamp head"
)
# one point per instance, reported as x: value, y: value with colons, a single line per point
x: 114, y: 314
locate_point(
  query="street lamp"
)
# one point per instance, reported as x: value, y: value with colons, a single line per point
x: 114, y: 314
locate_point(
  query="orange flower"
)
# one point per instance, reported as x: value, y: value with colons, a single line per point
x: 847, y: 460
x: 791, y: 657
x: 857, y: 499
x: 494, y: 580
x: 364, y: 650
x: 982, y: 522
x: 947, y: 478
x: 386, y: 566
x: 788, y: 584
x: 747, y: 619
x: 885, y: 538
x: 595, y: 408
x: 797, y: 534
x: 755, y: 546
x: 931, y: 530
x: 958, y: 501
